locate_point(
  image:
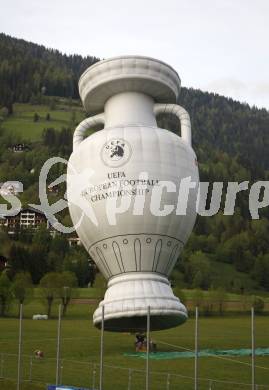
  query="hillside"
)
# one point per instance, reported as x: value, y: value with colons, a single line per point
x: 39, y: 90
x: 27, y: 70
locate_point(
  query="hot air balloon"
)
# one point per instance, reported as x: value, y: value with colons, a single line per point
x: 132, y: 162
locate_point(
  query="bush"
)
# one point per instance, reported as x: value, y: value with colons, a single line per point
x: 36, y: 117
x: 5, y: 293
x: 208, y: 308
x: 258, y: 304
x: 182, y: 296
x: 4, y: 112
x: 198, y: 297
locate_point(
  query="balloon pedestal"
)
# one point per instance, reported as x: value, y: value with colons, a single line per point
x: 127, y: 300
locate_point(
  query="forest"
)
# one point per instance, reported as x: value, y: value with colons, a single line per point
x: 230, y: 139
x: 27, y: 70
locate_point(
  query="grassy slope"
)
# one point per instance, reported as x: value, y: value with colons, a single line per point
x: 81, y: 344
x: 21, y: 123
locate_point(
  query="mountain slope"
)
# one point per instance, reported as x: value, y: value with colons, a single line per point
x: 27, y: 69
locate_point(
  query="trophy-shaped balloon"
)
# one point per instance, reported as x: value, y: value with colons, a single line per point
x: 140, y: 168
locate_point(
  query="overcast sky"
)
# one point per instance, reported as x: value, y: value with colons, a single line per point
x: 218, y: 46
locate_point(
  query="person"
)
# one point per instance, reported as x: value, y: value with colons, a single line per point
x: 140, y: 341
x: 39, y: 354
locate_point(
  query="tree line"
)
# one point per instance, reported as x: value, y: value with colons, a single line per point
x: 60, y: 286
x: 28, y: 70
x: 38, y: 253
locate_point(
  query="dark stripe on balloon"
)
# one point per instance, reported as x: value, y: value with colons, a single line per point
x: 137, y: 253
x: 157, y: 254
x: 117, y: 253
x: 171, y: 258
x: 103, y: 260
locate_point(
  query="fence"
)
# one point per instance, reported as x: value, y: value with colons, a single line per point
x: 41, y: 371
x: 94, y: 375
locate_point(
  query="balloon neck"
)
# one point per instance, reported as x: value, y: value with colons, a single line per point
x: 129, y: 108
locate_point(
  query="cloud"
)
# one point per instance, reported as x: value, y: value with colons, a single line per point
x: 227, y: 85
x: 254, y: 92
x: 262, y: 89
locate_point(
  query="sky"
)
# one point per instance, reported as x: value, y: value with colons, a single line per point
x: 217, y: 46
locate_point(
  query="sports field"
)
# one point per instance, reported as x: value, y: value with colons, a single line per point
x: 80, y: 351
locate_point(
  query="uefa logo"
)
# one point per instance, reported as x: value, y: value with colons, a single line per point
x: 116, y: 152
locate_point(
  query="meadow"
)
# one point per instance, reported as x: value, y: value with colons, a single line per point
x: 22, y: 125
x: 80, y: 353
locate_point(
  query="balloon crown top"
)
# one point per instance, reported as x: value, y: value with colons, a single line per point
x: 125, y: 74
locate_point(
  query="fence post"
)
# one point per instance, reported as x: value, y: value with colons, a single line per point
x: 58, y: 344
x: 93, y: 375
x: 30, y: 369
x: 19, y: 350
x: 102, y: 349
x: 210, y: 385
x: 253, y: 346
x: 148, y: 346
x: 61, y: 372
x: 2, y: 366
x: 130, y: 379
x: 168, y: 382
x: 196, y: 350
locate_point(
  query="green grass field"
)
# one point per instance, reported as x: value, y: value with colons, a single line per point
x: 22, y: 125
x: 80, y: 351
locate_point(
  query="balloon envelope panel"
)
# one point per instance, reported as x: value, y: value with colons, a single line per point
x: 143, y: 242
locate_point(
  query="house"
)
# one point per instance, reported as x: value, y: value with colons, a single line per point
x: 74, y: 241
x: 27, y: 217
x: 20, y: 148
x: 53, y: 189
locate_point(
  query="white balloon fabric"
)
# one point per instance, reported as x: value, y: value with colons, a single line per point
x: 123, y: 187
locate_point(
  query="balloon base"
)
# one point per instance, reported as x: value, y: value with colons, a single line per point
x: 127, y: 300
